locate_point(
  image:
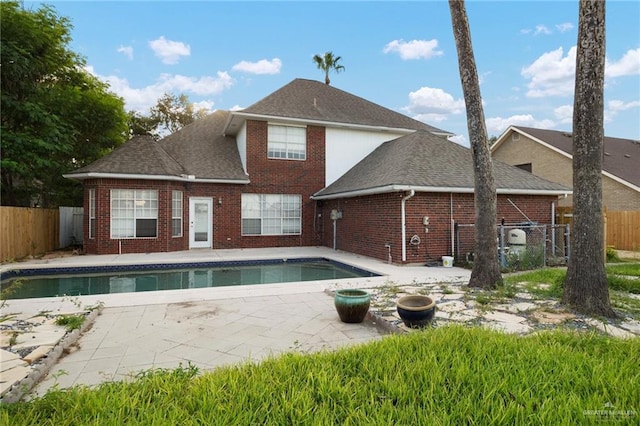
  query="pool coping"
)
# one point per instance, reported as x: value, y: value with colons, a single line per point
x: 387, y: 272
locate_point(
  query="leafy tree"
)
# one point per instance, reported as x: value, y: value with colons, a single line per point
x: 170, y: 114
x: 140, y: 125
x: 585, y: 287
x: 486, y: 269
x: 327, y: 63
x: 55, y: 115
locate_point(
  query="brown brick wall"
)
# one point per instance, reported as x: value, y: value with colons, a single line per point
x: 268, y: 176
x: 368, y: 223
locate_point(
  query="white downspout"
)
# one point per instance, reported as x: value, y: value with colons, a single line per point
x: 404, y: 226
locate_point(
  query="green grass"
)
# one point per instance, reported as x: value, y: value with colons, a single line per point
x: 619, y: 278
x: 447, y: 375
x: 630, y: 269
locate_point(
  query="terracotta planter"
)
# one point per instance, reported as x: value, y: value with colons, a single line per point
x: 352, y: 304
x: 416, y: 311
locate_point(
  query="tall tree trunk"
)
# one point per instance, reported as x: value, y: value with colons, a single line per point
x: 486, y: 269
x: 585, y: 287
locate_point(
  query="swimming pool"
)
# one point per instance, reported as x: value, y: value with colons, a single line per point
x: 90, y: 280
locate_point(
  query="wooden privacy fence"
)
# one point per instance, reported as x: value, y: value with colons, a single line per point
x: 26, y: 231
x: 622, y: 228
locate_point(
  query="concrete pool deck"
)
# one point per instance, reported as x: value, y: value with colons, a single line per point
x: 388, y: 272
x: 211, y: 327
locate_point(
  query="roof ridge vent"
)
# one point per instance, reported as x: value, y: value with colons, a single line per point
x: 566, y: 134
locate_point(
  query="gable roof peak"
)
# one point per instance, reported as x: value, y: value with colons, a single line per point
x: 315, y: 102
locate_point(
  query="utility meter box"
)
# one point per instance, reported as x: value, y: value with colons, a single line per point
x: 517, y: 237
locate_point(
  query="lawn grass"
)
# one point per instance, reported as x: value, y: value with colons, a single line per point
x: 446, y: 375
x: 620, y: 277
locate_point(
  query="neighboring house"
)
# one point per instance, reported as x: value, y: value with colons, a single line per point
x: 548, y: 154
x: 271, y: 175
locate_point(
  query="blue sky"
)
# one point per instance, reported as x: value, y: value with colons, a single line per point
x: 401, y: 55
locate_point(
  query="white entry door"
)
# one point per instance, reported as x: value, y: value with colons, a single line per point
x: 200, y: 222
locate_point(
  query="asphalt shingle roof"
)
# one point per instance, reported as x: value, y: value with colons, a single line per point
x: 422, y: 159
x: 313, y: 100
x: 203, y: 151
x: 199, y: 149
x: 141, y: 155
x: 621, y: 156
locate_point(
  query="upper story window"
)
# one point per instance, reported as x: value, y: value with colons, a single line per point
x: 287, y: 142
x: 134, y: 213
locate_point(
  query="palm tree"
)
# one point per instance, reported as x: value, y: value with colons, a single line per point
x: 585, y: 286
x: 327, y: 63
x: 486, y: 268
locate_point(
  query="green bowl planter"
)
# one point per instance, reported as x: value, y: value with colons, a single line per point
x: 416, y: 311
x: 352, y: 304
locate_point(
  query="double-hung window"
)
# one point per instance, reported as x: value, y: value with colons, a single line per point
x: 176, y: 214
x: 92, y: 213
x: 134, y: 213
x: 271, y: 214
x: 287, y: 142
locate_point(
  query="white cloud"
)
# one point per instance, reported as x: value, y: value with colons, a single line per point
x: 263, y: 66
x: 628, y: 65
x: 414, y: 49
x: 615, y: 106
x: 433, y: 105
x: 552, y: 74
x: 126, y: 51
x: 542, y: 29
x: 497, y: 125
x: 564, y: 114
x: 564, y: 27
x: 236, y: 108
x: 143, y: 98
x: 169, y: 51
x: 205, y: 105
x: 460, y: 140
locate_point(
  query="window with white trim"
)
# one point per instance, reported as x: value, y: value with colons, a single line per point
x: 271, y: 214
x: 287, y: 142
x: 134, y: 213
x: 176, y: 214
x: 92, y: 213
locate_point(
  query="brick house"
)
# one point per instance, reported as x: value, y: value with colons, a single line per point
x: 270, y: 175
x: 548, y: 154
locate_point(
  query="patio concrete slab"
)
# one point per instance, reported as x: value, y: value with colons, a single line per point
x: 126, y: 340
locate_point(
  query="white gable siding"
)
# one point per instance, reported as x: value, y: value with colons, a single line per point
x: 241, y: 140
x: 345, y: 148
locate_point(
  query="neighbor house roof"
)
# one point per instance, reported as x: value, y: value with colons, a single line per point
x: 425, y: 162
x: 311, y: 101
x: 198, y: 151
x: 621, y: 156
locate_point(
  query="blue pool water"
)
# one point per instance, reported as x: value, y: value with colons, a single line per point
x: 83, y: 281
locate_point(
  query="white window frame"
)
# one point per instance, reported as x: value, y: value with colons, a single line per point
x: 286, y: 142
x: 128, y: 208
x: 92, y: 214
x: 271, y: 214
x: 176, y: 213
